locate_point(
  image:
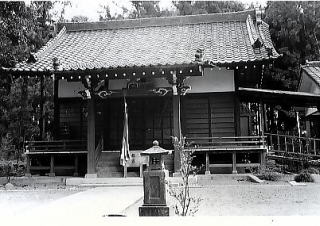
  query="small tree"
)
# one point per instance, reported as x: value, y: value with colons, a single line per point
x: 186, y: 203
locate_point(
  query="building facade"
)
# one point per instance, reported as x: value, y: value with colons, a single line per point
x: 181, y: 76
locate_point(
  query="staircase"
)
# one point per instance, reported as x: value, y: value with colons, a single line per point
x: 109, y: 166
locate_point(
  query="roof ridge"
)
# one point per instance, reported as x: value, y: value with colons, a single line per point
x: 312, y: 63
x: 50, y: 43
x: 159, y: 21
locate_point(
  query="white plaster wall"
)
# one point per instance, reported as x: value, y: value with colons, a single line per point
x: 69, y: 89
x: 213, y: 80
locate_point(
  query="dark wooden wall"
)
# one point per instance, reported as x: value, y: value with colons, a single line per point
x: 150, y: 118
x: 72, y: 123
x: 208, y: 115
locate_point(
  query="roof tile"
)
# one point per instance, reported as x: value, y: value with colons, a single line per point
x: 225, y: 38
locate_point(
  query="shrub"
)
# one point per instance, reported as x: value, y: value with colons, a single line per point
x: 269, y: 175
x: 186, y: 203
x: 304, y: 176
x: 12, y: 168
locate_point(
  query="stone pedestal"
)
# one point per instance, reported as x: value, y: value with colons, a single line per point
x: 154, y: 188
x: 151, y: 211
x: 91, y: 175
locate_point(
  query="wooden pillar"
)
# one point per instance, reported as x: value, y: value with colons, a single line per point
x: 265, y: 117
x: 308, y: 127
x: 207, y: 164
x: 261, y: 117
x: 125, y: 171
x: 262, y: 127
x: 91, y: 138
x: 28, y: 173
x: 41, y: 118
x: 237, y: 105
x: 51, y: 174
x: 56, y: 113
x: 176, y: 129
x: 76, y: 166
x: 234, y: 163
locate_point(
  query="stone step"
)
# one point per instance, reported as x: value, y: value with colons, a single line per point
x: 104, y: 181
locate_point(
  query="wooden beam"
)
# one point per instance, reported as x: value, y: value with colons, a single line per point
x: 91, y: 137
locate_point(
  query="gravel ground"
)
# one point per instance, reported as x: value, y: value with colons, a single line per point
x: 260, y: 200
x: 248, y: 199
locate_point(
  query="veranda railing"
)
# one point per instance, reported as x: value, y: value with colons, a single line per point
x: 56, y: 146
x: 298, y: 148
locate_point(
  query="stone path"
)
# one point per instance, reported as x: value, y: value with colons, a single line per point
x: 90, y: 207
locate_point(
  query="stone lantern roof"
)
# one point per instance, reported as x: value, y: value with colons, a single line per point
x: 155, y: 149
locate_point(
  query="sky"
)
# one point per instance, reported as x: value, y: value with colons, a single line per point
x: 90, y: 8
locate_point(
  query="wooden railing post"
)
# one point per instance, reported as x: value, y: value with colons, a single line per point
x: 285, y: 144
x: 263, y: 160
x: 278, y: 142
x: 207, y: 164
x: 300, y: 148
x: 28, y: 173
x: 234, y: 163
x: 76, y: 164
x: 51, y: 174
x: 314, y: 147
x: 292, y: 142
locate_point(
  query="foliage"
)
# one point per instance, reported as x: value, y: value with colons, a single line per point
x: 295, y: 31
x: 186, y: 203
x: 142, y: 9
x: 269, y: 175
x: 10, y: 160
x: 79, y: 19
x: 312, y: 170
x: 204, y: 7
x: 304, y: 176
x: 23, y: 30
x: 9, y: 168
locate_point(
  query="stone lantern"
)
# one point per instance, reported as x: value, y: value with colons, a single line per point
x: 154, y: 203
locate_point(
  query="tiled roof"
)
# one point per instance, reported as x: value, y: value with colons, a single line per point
x: 225, y: 38
x: 312, y: 69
